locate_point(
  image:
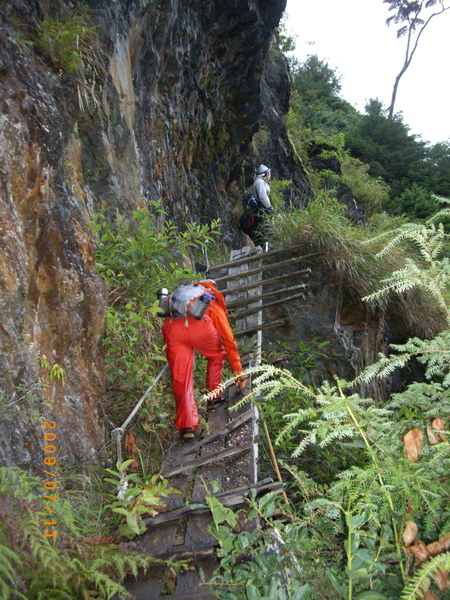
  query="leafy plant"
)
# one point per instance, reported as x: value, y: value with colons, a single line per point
x: 415, y: 202
x: 31, y: 396
x: 366, y: 503
x: 67, y: 41
x: 136, y: 258
x: 76, y: 563
x: 71, y: 42
x: 279, y: 193
x: 261, y: 564
x: 371, y: 193
x: 55, y: 371
x: 420, y: 584
x: 137, y: 496
x: 317, y: 108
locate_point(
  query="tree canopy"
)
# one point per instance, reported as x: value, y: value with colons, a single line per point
x: 414, y: 170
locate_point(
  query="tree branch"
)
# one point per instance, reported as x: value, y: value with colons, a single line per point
x: 404, y: 15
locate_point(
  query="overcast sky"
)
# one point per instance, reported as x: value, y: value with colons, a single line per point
x: 353, y: 38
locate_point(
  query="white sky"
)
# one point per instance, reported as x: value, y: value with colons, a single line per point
x: 353, y: 38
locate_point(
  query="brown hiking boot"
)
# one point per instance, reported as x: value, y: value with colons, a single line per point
x: 187, y: 433
x: 215, y: 402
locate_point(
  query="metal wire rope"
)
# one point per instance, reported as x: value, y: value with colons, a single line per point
x: 118, y: 432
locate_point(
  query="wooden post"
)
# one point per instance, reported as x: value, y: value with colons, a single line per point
x: 274, y: 460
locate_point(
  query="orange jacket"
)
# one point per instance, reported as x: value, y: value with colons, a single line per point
x: 218, y: 314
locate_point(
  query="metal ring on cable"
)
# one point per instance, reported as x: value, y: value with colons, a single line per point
x: 119, y: 432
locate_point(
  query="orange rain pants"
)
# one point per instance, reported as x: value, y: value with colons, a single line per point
x: 182, y: 338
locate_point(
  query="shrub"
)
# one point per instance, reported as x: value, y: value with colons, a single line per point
x: 351, y: 254
x: 67, y: 41
x: 136, y: 258
x: 81, y: 561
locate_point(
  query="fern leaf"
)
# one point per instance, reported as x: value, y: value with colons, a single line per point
x: 420, y: 582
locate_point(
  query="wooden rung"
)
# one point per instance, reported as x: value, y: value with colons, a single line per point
x: 256, y: 328
x: 184, y: 553
x: 252, y: 311
x: 200, y: 462
x: 263, y: 282
x: 251, y: 299
x: 257, y: 256
x: 264, y: 267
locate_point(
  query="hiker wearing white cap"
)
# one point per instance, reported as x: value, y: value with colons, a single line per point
x: 261, y: 190
x: 256, y: 207
x: 261, y: 187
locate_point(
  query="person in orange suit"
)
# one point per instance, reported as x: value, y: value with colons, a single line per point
x: 213, y: 338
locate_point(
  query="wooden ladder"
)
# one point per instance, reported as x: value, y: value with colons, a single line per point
x: 227, y: 453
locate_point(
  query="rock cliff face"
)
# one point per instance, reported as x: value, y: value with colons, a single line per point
x: 163, y: 106
x: 328, y: 333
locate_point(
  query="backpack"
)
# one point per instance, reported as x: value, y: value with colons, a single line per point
x: 187, y: 300
x: 247, y: 223
x: 251, y: 204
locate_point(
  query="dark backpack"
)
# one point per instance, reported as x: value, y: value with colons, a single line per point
x: 247, y: 223
x: 251, y: 204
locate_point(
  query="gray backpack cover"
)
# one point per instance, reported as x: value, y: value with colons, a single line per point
x: 181, y: 304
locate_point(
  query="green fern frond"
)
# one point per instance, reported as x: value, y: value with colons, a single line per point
x: 15, y: 482
x: 432, y: 276
x: 61, y: 568
x: 435, y: 354
x: 420, y: 583
x: 10, y: 564
x: 443, y: 213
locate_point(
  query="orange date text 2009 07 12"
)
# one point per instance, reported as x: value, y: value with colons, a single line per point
x: 49, y: 460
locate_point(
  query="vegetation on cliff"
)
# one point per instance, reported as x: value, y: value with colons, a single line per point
x: 86, y: 558
x: 368, y: 517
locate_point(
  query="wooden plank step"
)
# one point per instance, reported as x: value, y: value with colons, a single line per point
x: 178, y: 451
x: 251, y: 311
x: 204, y: 461
x: 229, y: 427
x: 264, y: 282
x: 229, y: 499
x: 256, y: 328
x: 257, y: 255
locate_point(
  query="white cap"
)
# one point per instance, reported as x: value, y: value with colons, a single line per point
x: 262, y: 169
